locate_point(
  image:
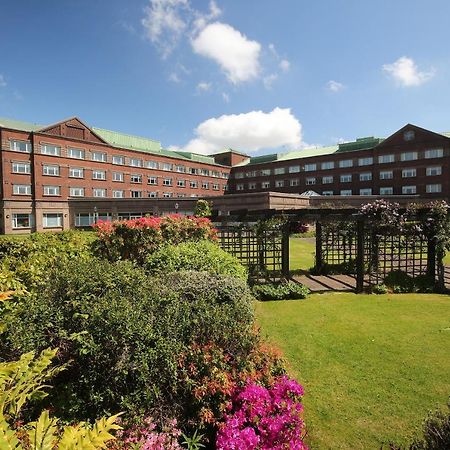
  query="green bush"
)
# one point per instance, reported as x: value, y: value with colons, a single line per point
x: 400, y: 282
x: 280, y: 291
x: 201, y: 256
x: 379, y: 289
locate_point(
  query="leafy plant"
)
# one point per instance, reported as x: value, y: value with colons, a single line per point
x: 284, y: 290
x: 380, y: 288
x: 202, y: 208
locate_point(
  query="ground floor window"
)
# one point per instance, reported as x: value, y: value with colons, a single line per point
x: 88, y: 219
x: 130, y: 215
x: 52, y: 220
x: 22, y: 220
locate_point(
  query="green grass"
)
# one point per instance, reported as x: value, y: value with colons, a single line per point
x: 301, y: 253
x: 372, y: 366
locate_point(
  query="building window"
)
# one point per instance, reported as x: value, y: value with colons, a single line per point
x: 99, y: 192
x: 408, y: 173
x: 76, y: 172
x: 346, y: 192
x: 366, y: 176
x: 205, y: 185
x: 99, y: 156
x: 346, y: 178
x: 434, y: 153
x: 433, y: 188
x: 181, y: 169
x: 204, y: 172
x: 85, y: 220
x: 152, y: 194
x: 118, y: 160
x: 386, y: 190
x: 294, y: 182
x: 367, y: 191
x: 20, y: 146
x: 327, y: 165
x: 409, y: 156
x: 365, y: 161
x: 327, y: 180
x: 215, y: 174
x: 182, y: 184
x: 50, y: 170
x: 135, y: 162
x: 239, y: 187
x: 194, y: 184
x: 310, y: 181
x: 266, y: 172
x: 252, y: 186
x: 194, y: 171
x: 386, y: 175
x: 432, y: 171
x: 117, y: 176
x: 21, y: 167
x: 118, y: 194
x: 152, y: 180
x: 152, y: 165
x: 167, y: 194
x: 250, y: 174
x: 22, y: 220
x: 215, y: 187
x: 136, y: 194
x: 181, y: 195
x: 238, y: 175
x: 22, y: 189
x: 310, y: 167
x: 279, y: 171
x: 136, y: 178
x: 52, y: 150
x: 76, y: 153
x: 409, y: 189
x: 265, y: 185
x: 279, y: 183
x: 346, y: 163
x: 409, y: 135
x: 52, y: 220
x: 167, y: 166
x: 98, y: 175
x: 225, y: 175
x: 167, y: 182
x: 327, y: 193
x: 294, y: 169
x: 52, y: 190
x: 384, y: 159
x: 76, y: 192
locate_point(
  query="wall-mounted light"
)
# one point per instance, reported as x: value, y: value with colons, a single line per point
x: 7, y: 216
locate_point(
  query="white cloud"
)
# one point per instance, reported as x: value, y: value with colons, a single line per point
x: 202, y: 20
x: 335, y: 86
x: 174, y: 77
x: 204, y: 86
x: 226, y: 97
x: 406, y: 72
x: 237, y: 56
x: 269, y: 80
x: 285, y: 65
x: 249, y: 132
x: 2, y: 81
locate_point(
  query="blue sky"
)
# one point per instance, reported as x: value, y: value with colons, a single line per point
x: 256, y: 75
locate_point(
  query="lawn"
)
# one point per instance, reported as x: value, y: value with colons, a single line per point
x: 372, y: 366
x: 301, y: 253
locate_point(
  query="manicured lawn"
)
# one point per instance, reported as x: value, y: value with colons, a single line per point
x: 372, y: 366
x: 301, y: 253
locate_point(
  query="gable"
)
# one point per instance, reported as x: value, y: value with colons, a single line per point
x: 73, y: 128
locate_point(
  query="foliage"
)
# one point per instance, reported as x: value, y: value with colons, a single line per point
x: 298, y: 228
x: 137, y: 238
x: 348, y: 267
x: 382, y: 213
x: 401, y: 282
x: 285, y: 290
x: 261, y: 418
x: 379, y: 289
x: 202, y: 208
x: 200, y: 256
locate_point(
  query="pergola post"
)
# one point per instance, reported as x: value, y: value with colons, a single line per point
x: 319, y: 255
x: 360, y: 256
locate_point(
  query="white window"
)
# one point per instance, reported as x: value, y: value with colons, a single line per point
x: 346, y: 163
x: 225, y: 175
x: 52, y: 220
x: 215, y: 187
x: 181, y: 195
x: 310, y: 181
x: 167, y: 166
x: 52, y: 190
x: 152, y: 194
x: 346, y: 192
x: 205, y: 185
x: 118, y: 194
x: 204, y: 172
x: 365, y: 161
x: 22, y: 189
x: 279, y: 183
x: 239, y: 175
x: 76, y: 192
x: 99, y: 192
x: 250, y: 174
x: 432, y: 171
x: 265, y: 172
x: 20, y: 146
x: 409, y: 189
x: 294, y: 169
x: 76, y: 172
x: 152, y: 165
x: 279, y: 171
x: 136, y: 178
x: 252, y: 186
x: 327, y: 165
x: 408, y: 173
x: 386, y: 190
x: 346, y: 178
x: 21, y: 167
x: 367, y: 191
x: 181, y: 169
x: 194, y: 171
x: 434, y: 188
x: 99, y: 156
x: 327, y: 193
x: 434, y: 153
x: 135, y: 162
x: 386, y: 175
x: 118, y: 160
x: 22, y: 220
x: 408, y: 156
x: 194, y: 185
x: 294, y: 182
x: 85, y: 220
x: 76, y: 153
x: 152, y: 180
x: 327, y: 180
x: 167, y: 182
x: 215, y: 174
x: 98, y: 175
x: 365, y: 176
x: 182, y: 183
x: 48, y: 149
x: 239, y: 187
x: 167, y: 194
x: 50, y: 170
x: 384, y: 159
x: 265, y: 185
x: 117, y: 176
x: 310, y: 167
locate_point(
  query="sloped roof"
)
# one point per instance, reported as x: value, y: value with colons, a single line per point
x: 19, y: 125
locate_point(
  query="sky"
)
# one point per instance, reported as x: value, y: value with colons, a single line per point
x: 255, y: 75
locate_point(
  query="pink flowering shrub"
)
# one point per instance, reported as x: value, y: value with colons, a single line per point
x: 262, y: 418
x: 136, y: 238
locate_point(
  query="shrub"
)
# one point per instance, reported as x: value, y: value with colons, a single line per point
x: 200, y: 256
x: 401, y: 282
x: 284, y: 290
x: 202, y: 208
x: 379, y: 289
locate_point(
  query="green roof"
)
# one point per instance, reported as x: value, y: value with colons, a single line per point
x: 19, y: 125
x: 128, y: 141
